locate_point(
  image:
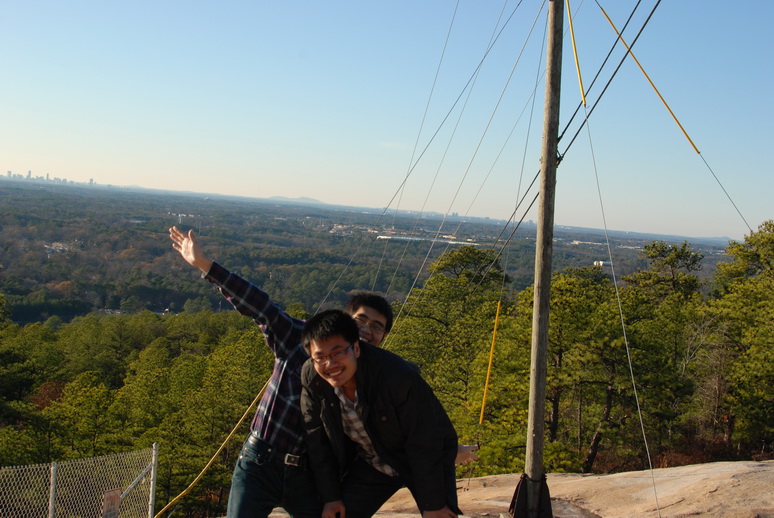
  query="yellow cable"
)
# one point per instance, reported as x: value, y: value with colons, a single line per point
x: 575, y: 54
x: 201, y: 474
x: 489, y: 369
x: 651, y: 82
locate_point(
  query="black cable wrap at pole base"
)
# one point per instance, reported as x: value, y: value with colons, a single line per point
x: 519, y: 507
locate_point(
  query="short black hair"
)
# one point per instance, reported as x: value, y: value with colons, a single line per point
x: 370, y: 299
x: 326, y: 324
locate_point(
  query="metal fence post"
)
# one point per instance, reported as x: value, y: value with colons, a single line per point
x: 154, y: 469
x: 52, y: 492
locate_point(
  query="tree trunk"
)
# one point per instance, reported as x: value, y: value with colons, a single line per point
x: 580, y: 418
x: 729, y: 431
x: 588, y: 462
x: 553, y: 424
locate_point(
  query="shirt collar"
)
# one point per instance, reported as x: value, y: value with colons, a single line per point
x: 343, y: 398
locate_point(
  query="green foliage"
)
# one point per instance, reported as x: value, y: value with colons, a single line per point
x: 30, y: 358
x: 184, y: 382
x: 746, y: 309
x: 197, y: 305
x: 5, y: 313
x: 750, y: 258
x: 69, y: 251
x: 671, y: 269
x: 80, y: 421
x: 752, y: 378
x: 447, y: 329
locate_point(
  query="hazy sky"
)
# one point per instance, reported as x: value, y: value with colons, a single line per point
x: 327, y: 99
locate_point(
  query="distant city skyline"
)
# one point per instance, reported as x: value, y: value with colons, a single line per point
x: 47, y: 177
x: 401, y: 104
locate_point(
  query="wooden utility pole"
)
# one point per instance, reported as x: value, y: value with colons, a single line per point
x: 543, y: 255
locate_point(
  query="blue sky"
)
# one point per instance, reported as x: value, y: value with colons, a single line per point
x: 326, y: 100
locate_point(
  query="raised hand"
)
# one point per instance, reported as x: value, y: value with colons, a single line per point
x: 189, y: 248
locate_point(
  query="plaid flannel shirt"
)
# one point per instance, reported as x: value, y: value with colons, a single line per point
x: 278, y: 418
x: 352, y: 423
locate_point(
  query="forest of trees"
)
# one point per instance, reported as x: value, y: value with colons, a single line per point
x: 699, y: 348
x: 69, y: 251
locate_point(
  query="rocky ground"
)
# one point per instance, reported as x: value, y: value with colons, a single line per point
x: 720, y: 489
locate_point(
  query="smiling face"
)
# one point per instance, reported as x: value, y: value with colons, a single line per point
x: 371, y: 324
x: 335, y: 360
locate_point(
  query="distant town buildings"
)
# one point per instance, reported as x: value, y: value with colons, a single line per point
x: 44, y: 179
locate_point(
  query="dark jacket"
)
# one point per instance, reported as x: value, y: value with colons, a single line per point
x: 407, y: 424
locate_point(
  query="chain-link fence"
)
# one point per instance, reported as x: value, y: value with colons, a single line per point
x: 124, y: 483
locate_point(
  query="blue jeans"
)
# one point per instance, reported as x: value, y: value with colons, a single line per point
x: 262, y: 481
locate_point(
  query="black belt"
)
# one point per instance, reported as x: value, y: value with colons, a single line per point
x: 287, y: 459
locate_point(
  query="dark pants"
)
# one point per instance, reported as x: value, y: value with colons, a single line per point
x: 262, y: 481
x: 365, y: 489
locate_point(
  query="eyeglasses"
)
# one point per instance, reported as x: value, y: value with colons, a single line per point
x: 375, y: 327
x: 334, y: 356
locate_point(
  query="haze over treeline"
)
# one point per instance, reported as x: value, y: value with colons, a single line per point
x: 70, y: 250
x: 110, y: 342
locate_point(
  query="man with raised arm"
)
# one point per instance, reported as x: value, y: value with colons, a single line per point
x: 373, y: 425
x: 272, y: 467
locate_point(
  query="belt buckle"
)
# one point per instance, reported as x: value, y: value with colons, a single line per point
x: 292, y: 460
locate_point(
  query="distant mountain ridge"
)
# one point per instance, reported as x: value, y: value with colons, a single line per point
x: 302, y: 200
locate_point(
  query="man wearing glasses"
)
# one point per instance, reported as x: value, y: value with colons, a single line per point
x: 373, y: 425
